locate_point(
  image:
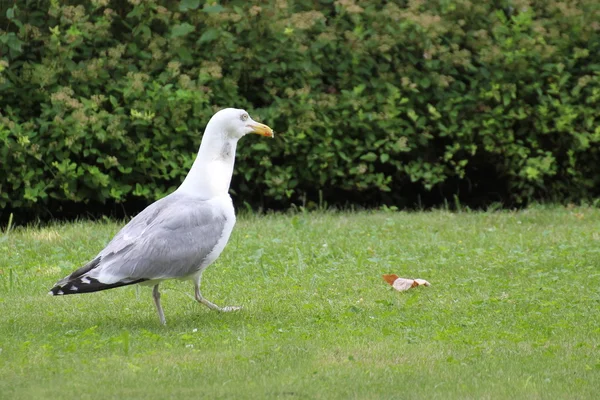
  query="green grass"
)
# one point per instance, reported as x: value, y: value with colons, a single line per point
x: 513, y: 312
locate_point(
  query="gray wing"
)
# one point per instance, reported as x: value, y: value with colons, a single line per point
x: 169, y: 239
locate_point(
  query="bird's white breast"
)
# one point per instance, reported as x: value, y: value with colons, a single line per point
x: 224, y: 205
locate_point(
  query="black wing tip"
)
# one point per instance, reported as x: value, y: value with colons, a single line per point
x: 69, y: 285
x: 65, y: 289
x: 55, y: 291
x: 85, y: 284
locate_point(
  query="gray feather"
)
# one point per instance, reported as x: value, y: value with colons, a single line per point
x: 169, y: 239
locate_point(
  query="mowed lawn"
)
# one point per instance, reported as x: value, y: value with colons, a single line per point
x: 513, y: 312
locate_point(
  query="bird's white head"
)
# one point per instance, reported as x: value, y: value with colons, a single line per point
x: 211, y: 173
x: 236, y: 123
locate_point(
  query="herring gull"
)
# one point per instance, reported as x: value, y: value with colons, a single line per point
x: 180, y: 235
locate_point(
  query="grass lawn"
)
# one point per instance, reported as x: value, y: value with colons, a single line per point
x: 513, y: 312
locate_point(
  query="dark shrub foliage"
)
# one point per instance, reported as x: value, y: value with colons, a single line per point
x: 374, y: 102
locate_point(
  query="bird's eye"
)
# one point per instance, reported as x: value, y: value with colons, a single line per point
x: 244, y: 117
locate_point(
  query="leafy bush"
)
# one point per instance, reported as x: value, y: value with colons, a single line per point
x: 373, y: 102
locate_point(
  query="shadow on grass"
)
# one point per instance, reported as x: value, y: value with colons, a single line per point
x: 64, y: 314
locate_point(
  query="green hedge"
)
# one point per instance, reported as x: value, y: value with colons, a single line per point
x: 372, y: 102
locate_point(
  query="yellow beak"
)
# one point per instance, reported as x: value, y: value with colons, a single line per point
x: 261, y: 129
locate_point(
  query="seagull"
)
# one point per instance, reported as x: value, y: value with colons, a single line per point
x: 180, y: 235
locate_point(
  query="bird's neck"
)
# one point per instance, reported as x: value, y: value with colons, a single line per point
x: 211, y: 172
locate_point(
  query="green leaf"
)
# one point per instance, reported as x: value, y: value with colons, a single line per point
x: 412, y: 115
x: 185, y: 55
x: 13, y: 42
x: 359, y: 89
x: 214, y: 9
x: 182, y: 30
x: 189, y: 5
x: 433, y: 111
x: 369, y: 157
x: 209, y: 35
